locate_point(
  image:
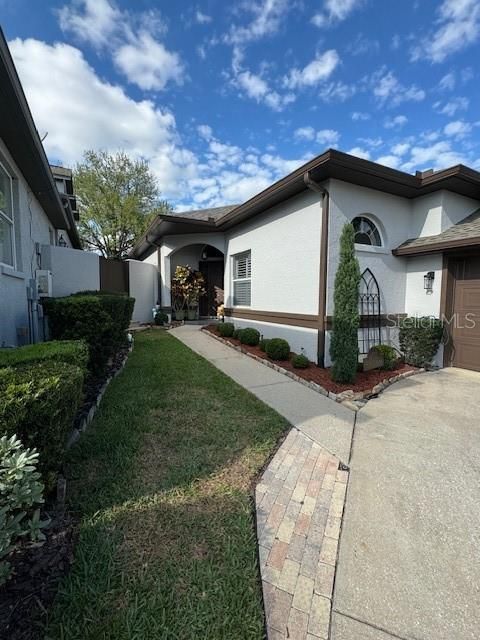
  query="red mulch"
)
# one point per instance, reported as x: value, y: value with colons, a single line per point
x: 365, y: 380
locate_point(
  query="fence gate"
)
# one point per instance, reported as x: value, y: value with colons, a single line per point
x: 114, y: 275
x: 370, y: 332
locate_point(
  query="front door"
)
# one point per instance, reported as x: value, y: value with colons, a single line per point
x: 466, y: 306
x: 213, y: 273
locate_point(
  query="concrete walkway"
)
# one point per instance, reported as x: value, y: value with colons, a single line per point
x: 409, y: 561
x: 300, y: 497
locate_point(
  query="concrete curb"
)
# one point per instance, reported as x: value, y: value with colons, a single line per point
x: 350, y: 399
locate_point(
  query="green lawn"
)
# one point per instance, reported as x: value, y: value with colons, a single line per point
x: 162, y: 481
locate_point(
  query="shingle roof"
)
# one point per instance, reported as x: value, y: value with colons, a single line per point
x: 466, y: 229
x: 204, y: 214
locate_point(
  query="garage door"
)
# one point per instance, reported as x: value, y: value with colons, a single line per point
x: 466, y: 305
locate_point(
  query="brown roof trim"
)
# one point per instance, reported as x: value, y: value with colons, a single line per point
x: 436, y: 247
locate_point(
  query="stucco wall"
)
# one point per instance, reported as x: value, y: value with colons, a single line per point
x: 143, y: 278
x: 285, y: 248
x: 31, y: 226
x: 436, y: 212
x: 417, y: 301
x: 72, y: 270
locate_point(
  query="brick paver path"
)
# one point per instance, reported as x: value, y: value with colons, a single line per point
x: 299, y: 503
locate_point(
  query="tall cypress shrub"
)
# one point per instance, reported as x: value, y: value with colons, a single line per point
x: 346, y: 320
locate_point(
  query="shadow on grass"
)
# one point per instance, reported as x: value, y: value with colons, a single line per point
x: 162, y: 485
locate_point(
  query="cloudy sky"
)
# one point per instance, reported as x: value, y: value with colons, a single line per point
x: 225, y: 97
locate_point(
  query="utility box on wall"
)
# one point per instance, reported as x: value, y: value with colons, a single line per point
x: 44, y: 283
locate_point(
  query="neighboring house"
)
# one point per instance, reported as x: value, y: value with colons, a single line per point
x: 418, y: 244
x: 33, y: 214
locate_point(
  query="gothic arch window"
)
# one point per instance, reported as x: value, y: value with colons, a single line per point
x: 366, y: 232
x: 370, y: 333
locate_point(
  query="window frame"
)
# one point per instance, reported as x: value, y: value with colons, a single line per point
x: 10, y: 221
x: 247, y: 278
x: 376, y: 227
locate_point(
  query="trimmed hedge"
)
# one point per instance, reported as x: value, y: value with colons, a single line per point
x: 300, y: 361
x: 250, y: 336
x: 263, y: 344
x: 237, y: 333
x: 71, y: 351
x: 38, y: 403
x: 226, y: 329
x: 278, y: 349
x: 389, y: 356
x: 420, y: 339
x: 101, y: 319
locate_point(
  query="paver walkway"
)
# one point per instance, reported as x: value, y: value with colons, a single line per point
x: 300, y: 497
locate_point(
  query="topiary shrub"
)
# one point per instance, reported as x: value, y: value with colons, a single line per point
x: 237, y: 333
x: 101, y: 319
x: 21, y: 493
x: 278, y: 349
x: 263, y: 344
x: 250, y: 336
x: 226, y: 329
x: 346, y: 321
x: 160, y: 318
x: 300, y: 361
x: 70, y: 351
x: 38, y: 403
x: 389, y: 356
x: 420, y: 339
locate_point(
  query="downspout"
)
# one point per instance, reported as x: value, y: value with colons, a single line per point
x: 322, y: 291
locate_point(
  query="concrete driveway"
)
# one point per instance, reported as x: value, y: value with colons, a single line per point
x: 409, y: 560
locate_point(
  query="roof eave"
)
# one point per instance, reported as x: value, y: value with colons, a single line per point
x: 437, y: 247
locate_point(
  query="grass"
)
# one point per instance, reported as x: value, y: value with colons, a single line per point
x: 162, y: 482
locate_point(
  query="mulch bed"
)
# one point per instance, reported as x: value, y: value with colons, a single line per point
x: 38, y: 570
x: 365, y: 381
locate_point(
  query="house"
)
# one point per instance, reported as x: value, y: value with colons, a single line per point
x: 34, y: 214
x: 417, y: 242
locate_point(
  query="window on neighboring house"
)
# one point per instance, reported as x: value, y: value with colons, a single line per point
x: 7, y: 249
x: 366, y: 232
x: 242, y: 279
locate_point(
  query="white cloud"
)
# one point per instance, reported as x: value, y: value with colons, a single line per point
x: 148, y: 64
x: 391, y: 92
x: 360, y: 152
x: 458, y: 26
x: 360, y: 115
x: 326, y: 137
x: 389, y: 161
x: 202, y: 18
x: 457, y: 129
x: 401, y: 148
x: 304, y: 133
x: 205, y: 132
x: 267, y: 18
x: 334, y: 11
x: 447, y: 82
x: 396, y: 122
x: 314, y: 72
x: 337, y: 92
x: 258, y: 89
x: 436, y: 156
x: 451, y: 107
x: 131, y: 40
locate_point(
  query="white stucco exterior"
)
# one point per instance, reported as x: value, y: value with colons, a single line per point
x: 72, y: 270
x: 143, y: 286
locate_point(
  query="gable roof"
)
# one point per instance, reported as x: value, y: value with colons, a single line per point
x: 212, y: 214
x: 18, y: 132
x: 464, y: 233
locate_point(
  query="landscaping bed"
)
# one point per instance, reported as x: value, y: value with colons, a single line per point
x: 365, y: 381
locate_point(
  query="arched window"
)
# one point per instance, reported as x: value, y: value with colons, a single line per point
x: 369, y: 308
x: 366, y: 232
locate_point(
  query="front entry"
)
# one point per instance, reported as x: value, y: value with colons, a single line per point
x: 465, y: 332
x: 212, y: 271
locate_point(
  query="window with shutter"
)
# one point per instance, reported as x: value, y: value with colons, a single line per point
x: 242, y: 279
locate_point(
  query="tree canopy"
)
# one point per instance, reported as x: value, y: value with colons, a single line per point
x: 117, y: 197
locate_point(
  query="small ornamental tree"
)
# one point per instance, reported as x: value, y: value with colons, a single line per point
x: 346, y: 320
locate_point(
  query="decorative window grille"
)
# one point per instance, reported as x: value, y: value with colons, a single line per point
x: 366, y: 232
x: 370, y: 332
x: 7, y: 245
x: 242, y: 279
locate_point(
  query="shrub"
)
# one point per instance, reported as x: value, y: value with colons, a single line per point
x: 300, y: 361
x: 70, y: 351
x: 160, y: 318
x: 101, y: 319
x: 250, y: 336
x: 263, y: 344
x: 420, y: 339
x: 389, y: 356
x: 20, y: 494
x: 237, y: 333
x: 344, y: 345
x: 226, y: 329
x: 38, y: 403
x: 278, y: 349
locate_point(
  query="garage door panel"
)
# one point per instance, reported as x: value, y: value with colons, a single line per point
x: 466, y: 307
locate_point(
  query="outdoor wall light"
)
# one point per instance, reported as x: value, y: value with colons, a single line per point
x: 61, y: 241
x: 428, y: 279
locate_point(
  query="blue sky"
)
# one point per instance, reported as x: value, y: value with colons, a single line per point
x: 225, y: 97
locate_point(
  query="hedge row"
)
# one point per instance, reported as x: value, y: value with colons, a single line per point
x: 70, y: 351
x: 100, y: 319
